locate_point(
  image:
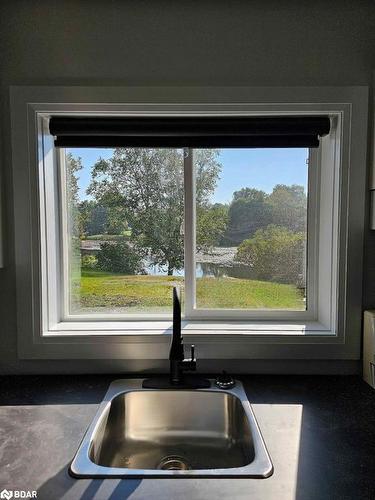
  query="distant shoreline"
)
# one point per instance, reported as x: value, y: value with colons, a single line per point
x: 223, y: 256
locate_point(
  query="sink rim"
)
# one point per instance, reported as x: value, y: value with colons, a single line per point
x: 83, y: 467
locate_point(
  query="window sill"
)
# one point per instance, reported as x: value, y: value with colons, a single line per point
x: 234, y: 341
x: 208, y: 329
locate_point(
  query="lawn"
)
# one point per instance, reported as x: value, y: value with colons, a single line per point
x: 103, y: 291
x: 108, y: 237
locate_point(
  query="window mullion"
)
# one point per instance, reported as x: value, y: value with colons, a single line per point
x: 189, y: 231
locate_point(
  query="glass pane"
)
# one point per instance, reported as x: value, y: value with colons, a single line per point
x: 125, y: 244
x: 251, y: 228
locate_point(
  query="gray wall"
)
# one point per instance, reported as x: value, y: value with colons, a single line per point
x: 185, y: 42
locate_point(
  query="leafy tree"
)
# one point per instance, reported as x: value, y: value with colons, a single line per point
x: 252, y: 209
x: 248, y: 212
x: 119, y: 258
x: 274, y: 253
x: 211, y: 224
x: 289, y: 205
x: 250, y: 194
x: 98, y: 219
x: 73, y: 166
x: 148, y: 185
x: 93, y: 218
x: 207, y: 170
x: 85, y: 208
x: 116, y: 220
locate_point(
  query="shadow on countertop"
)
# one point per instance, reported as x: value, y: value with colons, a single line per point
x: 57, y: 488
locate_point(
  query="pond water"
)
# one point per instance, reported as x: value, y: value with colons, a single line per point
x: 207, y: 270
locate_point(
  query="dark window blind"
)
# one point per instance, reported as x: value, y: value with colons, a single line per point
x: 190, y: 131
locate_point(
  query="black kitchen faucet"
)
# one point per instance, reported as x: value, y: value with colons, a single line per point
x: 177, y: 362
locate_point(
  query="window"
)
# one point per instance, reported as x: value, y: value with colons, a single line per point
x: 236, y: 212
x: 261, y: 251
x: 251, y: 231
x: 123, y: 238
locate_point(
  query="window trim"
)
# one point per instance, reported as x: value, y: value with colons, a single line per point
x: 239, y: 339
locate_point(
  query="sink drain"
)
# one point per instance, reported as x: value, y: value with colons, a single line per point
x: 173, y: 462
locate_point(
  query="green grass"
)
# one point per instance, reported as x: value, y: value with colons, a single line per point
x: 247, y: 294
x: 108, y: 237
x: 103, y: 291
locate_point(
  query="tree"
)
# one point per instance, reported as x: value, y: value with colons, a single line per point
x: 116, y: 220
x: 252, y: 209
x: 73, y: 166
x: 98, y: 219
x: 93, y: 218
x: 148, y: 185
x: 250, y: 194
x: 274, y: 253
x: 212, y: 222
x: 248, y: 212
x: 289, y: 204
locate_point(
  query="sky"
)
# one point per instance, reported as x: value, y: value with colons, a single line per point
x: 257, y: 168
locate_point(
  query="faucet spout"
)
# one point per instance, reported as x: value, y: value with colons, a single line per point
x: 176, y: 352
x: 177, y: 361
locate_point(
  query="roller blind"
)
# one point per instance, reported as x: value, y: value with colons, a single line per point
x: 190, y: 131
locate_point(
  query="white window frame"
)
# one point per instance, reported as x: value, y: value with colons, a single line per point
x: 59, y: 254
x: 332, y: 331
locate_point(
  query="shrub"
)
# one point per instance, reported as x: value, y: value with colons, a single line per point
x: 275, y: 254
x: 89, y: 261
x: 119, y: 257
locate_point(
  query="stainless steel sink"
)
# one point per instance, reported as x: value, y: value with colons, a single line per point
x: 162, y: 433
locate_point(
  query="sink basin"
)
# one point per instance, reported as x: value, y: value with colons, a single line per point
x: 162, y: 433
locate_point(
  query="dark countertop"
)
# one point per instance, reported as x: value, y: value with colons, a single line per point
x: 319, y: 430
